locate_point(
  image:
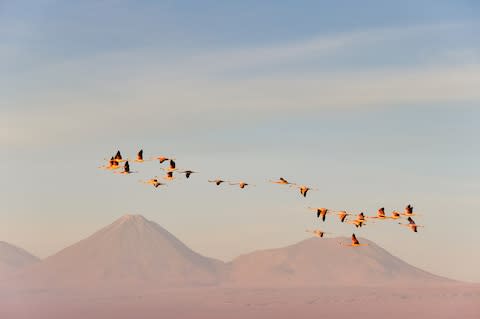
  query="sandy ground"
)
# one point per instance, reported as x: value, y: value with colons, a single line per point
x: 372, y: 302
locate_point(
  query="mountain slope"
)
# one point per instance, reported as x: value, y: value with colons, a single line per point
x: 135, y: 252
x: 130, y: 251
x: 13, y: 258
x: 316, y: 261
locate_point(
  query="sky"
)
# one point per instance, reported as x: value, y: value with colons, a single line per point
x: 374, y: 105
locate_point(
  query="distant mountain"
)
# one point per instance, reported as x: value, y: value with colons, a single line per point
x: 130, y: 252
x: 13, y: 259
x: 135, y: 252
x: 323, y: 261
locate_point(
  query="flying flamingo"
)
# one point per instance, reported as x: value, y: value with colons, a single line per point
x: 321, y: 212
x: 395, y: 215
x: 112, y: 164
x: 356, y: 222
x: 217, y: 181
x: 359, y: 221
x: 282, y: 181
x: 380, y: 214
x: 114, y: 161
x: 172, y: 164
x: 411, y: 224
x: 342, y: 215
x: 154, y: 182
x: 241, y: 184
x: 317, y: 232
x: 409, y: 211
x: 161, y: 159
x: 126, y: 169
x: 139, y: 158
x: 169, y: 176
x: 304, y: 189
x: 118, y: 157
x: 187, y: 173
x: 355, y: 242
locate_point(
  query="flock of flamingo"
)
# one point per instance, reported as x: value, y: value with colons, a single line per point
x: 115, y: 164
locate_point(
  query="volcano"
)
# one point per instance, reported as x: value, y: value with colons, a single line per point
x: 136, y: 252
x: 132, y: 251
x: 323, y: 261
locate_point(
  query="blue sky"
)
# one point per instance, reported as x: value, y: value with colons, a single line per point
x: 376, y: 105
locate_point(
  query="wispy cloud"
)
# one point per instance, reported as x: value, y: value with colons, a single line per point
x: 320, y: 46
x: 97, y: 95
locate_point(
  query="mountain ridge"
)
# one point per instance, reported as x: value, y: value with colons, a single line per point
x: 130, y: 251
x: 14, y: 258
x: 335, y: 265
x: 135, y: 252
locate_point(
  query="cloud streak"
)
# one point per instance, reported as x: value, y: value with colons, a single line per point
x: 95, y: 96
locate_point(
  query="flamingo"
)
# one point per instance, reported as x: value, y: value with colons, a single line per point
x: 118, y: 157
x: 356, y: 222
x: 317, y: 232
x: 380, y: 214
x: 359, y: 221
x: 321, y: 212
x: 126, y: 169
x: 112, y: 164
x: 241, y: 184
x: 361, y: 216
x: 217, y: 181
x: 172, y: 164
x: 169, y: 176
x: 303, y: 189
x: 355, y: 242
x: 411, y: 224
x: 139, y: 158
x: 342, y: 215
x: 187, y: 173
x: 282, y: 181
x: 395, y: 215
x: 161, y: 159
x: 409, y: 211
x: 154, y: 182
